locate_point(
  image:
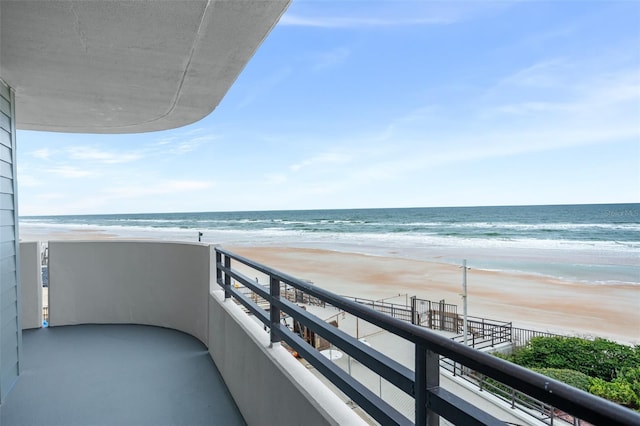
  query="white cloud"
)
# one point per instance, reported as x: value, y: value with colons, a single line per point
x: 187, y: 185
x: 545, y: 74
x: 165, y: 141
x: 621, y: 86
x: 592, y: 111
x: 160, y: 188
x: 52, y: 196
x: 196, y: 131
x: 263, y: 86
x: 275, y: 178
x: 330, y: 58
x: 182, y: 143
x: 42, y: 154
x: 71, y: 172
x: 93, y: 154
x: 325, y: 158
x: 386, y: 14
x: 27, y: 180
x: 356, y: 22
x: 184, y: 146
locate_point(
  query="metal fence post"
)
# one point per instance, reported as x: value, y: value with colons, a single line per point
x: 414, y: 313
x: 227, y: 278
x: 493, y: 335
x: 274, y: 311
x: 420, y: 383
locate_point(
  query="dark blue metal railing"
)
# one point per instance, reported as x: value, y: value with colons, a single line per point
x: 431, y: 401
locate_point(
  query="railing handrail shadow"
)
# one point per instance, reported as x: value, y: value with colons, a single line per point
x: 431, y: 401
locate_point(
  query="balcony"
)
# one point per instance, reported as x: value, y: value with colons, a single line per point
x: 148, y: 333
x: 117, y: 374
x: 139, y: 333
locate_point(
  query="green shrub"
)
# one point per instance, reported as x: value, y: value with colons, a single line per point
x: 602, y: 367
x: 571, y: 377
x: 596, y: 358
x: 618, y: 391
x: 632, y: 377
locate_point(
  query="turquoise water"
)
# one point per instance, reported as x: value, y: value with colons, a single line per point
x: 594, y: 243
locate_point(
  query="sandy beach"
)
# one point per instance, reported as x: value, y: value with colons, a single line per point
x: 529, y: 301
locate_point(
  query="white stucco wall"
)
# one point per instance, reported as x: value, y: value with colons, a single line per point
x: 268, y: 384
x: 167, y: 284
x: 31, y: 285
x: 164, y: 284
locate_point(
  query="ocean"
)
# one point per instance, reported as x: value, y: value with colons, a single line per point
x: 599, y: 243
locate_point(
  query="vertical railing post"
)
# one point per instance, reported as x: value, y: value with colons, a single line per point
x: 274, y: 311
x: 433, y: 381
x: 427, y: 377
x: 227, y: 277
x: 420, y: 385
x: 218, y: 270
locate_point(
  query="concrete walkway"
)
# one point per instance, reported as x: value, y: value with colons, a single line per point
x: 117, y: 375
x: 402, y: 351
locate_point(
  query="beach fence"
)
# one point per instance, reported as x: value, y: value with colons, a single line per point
x: 484, y: 333
x: 291, y: 294
x: 401, y: 312
x: 298, y: 296
x: 434, y: 315
x: 521, y: 336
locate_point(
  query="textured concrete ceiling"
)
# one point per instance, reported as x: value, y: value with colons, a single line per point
x: 126, y: 66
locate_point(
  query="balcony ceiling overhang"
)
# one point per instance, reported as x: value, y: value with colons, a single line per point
x: 126, y: 66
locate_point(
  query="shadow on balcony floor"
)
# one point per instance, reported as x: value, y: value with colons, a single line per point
x: 117, y: 375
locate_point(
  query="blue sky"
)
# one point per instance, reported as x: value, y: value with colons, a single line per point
x: 352, y: 104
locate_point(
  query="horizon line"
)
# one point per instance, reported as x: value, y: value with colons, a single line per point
x: 331, y: 209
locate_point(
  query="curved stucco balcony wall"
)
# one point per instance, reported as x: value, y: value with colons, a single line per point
x: 165, y: 284
x: 31, y: 285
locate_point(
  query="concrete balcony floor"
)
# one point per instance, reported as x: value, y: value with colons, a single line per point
x: 117, y: 375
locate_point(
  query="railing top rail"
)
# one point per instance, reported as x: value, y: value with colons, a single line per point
x: 558, y: 394
x: 377, y: 302
x: 488, y: 321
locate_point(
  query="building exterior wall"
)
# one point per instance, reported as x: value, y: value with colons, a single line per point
x: 31, y: 285
x: 268, y: 382
x: 130, y: 282
x: 10, y: 327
